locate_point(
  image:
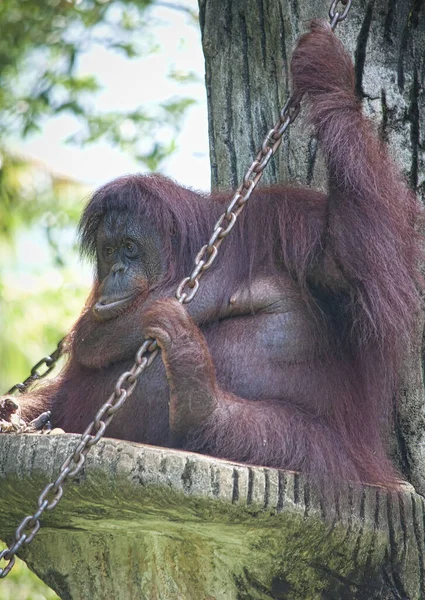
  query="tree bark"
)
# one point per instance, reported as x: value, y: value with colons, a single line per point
x: 247, y: 46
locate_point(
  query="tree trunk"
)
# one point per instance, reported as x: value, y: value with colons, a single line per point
x: 247, y: 46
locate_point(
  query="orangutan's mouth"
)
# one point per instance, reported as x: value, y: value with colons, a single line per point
x: 107, y: 308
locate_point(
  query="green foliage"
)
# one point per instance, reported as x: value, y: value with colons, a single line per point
x: 35, y: 315
x: 23, y: 584
x: 29, y: 192
x: 40, y: 47
x: 41, y: 291
x: 42, y: 284
x: 183, y: 76
x: 138, y: 125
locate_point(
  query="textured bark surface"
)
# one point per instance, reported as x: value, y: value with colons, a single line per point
x: 148, y: 523
x: 247, y: 46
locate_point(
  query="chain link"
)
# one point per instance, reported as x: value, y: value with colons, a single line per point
x: 208, y: 253
x: 53, y: 492
x: 148, y: 351
x: 48, y: 361
x: 335, y: 16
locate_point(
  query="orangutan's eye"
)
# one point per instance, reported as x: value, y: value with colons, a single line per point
x: 130, y: 249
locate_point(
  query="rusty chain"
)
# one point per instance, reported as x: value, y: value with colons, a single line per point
x: 186, y: 291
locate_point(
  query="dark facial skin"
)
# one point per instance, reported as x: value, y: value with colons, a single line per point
x: 128, y: 263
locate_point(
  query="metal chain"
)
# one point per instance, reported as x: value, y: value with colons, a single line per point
x: 208, y: 253
x: 147, y: 352
x: 335, y: 16
x: 48, y: 361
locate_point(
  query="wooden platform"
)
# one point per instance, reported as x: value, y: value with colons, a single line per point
x: 149, y: 523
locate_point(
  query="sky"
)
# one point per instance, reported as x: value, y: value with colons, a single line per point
x: 127, y: 84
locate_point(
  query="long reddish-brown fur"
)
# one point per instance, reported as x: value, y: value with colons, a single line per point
x: 352, y: 259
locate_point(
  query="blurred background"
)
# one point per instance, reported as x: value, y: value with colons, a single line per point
x: 90, y: 90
